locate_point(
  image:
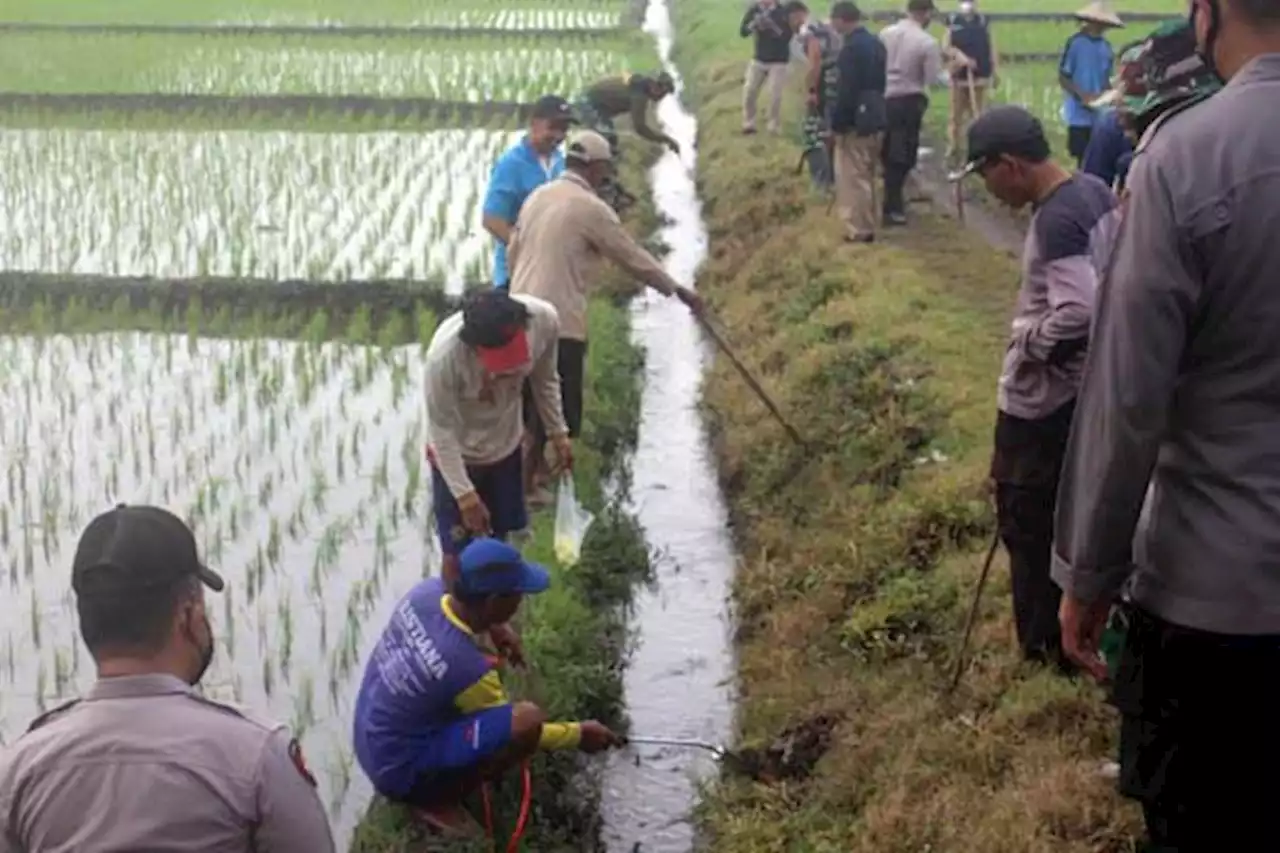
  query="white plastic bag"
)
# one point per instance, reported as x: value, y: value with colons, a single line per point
x: 572, y: 522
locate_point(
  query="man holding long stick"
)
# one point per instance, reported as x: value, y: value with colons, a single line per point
x: 1071, y: 230
x: 564, y: 231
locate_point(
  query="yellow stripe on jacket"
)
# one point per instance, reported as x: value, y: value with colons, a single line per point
x: 488, y: 693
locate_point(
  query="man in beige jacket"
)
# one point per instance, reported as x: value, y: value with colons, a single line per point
x: 563, y: 231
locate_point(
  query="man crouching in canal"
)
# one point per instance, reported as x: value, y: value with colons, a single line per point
x: 433, y: 721
x: 476, y: 368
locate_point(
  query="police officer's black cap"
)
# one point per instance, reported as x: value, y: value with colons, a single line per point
x: 554, y: 108
x: 491, y: 316
x: 137, y: 548
x: 1004, y: 131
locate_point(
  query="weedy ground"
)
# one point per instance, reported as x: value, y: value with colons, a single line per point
x: 860, y: 554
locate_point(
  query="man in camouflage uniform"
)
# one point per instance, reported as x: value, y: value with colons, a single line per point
x: 1159, y: 77
x: 821, y: 43
x: 606, y: 100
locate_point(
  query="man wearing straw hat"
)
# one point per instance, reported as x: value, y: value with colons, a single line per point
x: 1084, y: 73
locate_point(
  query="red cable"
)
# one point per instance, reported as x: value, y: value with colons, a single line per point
x: 526, y: 802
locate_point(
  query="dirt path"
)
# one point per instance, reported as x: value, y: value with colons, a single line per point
x: 999, y: 227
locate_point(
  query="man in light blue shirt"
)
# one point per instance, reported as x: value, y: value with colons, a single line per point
x: 521, y: 169
x: 1085, y: 74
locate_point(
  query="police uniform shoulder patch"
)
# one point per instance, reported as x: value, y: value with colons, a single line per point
x: 295, y: 755
x: 240, y: 711
x: 52, y: 714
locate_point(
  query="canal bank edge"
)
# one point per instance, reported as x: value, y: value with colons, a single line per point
x: 576, y: 635
x: 860, y: 557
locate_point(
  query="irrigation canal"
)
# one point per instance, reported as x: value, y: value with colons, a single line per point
x: 676, y: 681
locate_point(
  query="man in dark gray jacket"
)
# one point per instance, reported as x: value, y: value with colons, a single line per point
x: 1183, y: 388
x: 1072, y: 231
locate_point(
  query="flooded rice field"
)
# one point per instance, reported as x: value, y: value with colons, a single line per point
x: 473, y: 75
x: 300, y: 468
x: 247, y: 204
x: 514, y: 68
x: 496, y: 14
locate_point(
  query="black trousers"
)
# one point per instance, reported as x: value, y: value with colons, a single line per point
x: 1199, y: 735
x: 571, y: 363
x: 904, y: 116
x: 1026, y: 467
x: 1077, y: 142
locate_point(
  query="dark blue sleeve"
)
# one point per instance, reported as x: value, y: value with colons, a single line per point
x: 1067, y: 65
x: 1063, y: 226
x: 845, y: 110
x: 1104, y: 149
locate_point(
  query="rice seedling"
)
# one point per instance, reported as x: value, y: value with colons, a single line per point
x: 499, y: 14
x: 476, y: 71
x: 179, y: 205
x: 185, y: 425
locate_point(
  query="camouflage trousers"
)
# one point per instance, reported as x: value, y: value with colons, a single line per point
x: 817, y: 154
x: 592, y: 119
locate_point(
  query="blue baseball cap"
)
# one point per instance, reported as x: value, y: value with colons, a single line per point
x: 491, y: 567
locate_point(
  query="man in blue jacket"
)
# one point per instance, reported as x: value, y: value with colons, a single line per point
x: 521, y: 169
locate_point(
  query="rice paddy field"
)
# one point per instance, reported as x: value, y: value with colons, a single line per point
x: 498, y: 14
x: 277, y: 205
x: 297, y: 458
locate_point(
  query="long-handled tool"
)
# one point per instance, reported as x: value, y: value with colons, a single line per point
x: 972, y: 91
x: 750, y: 380
x: 973, y: 614
x: 715, y: 749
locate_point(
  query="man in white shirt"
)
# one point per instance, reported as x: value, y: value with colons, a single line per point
x: 914, y: 64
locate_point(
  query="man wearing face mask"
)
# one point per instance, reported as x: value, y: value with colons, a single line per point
x: 1182, y: 390
x: 143, y: 762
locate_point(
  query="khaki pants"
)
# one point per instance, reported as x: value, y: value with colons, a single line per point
x: 855, y: 161
x: 757, y: 73
x: 966, y: 105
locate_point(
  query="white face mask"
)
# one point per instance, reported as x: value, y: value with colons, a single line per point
x: 966, y: 8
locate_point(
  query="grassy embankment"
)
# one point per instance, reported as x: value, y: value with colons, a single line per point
x: 858, y: 558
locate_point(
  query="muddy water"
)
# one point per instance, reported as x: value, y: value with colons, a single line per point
x: 676, y: 683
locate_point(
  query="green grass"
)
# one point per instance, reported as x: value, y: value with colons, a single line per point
x: 858, y: 559
x: 273, y: 11
x: 512, y: 68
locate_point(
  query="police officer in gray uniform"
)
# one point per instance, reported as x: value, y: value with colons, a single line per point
x: 143, y: 762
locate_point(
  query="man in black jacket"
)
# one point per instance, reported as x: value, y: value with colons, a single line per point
x: 768, y: 22
x: 857, y: 121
